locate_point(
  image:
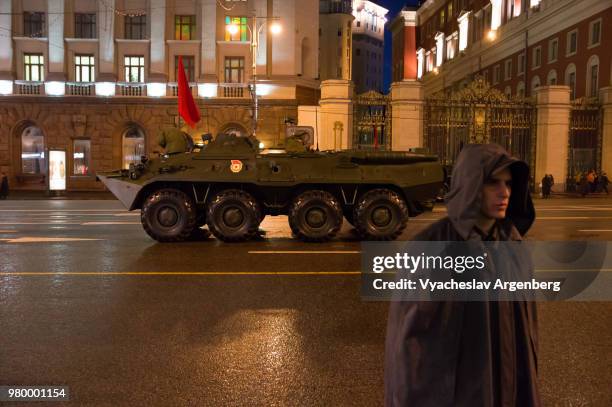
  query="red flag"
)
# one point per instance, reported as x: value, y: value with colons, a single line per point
x: 187, y: 107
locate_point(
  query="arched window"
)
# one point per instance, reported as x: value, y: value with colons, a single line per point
x: 32, y: 151
x: 133, y: 146
x: 535, y: 83
x: 570, y: 80
x: 508, y: 92
x: 592, y: 79
x: 551, y: 79
x: 520, y: 89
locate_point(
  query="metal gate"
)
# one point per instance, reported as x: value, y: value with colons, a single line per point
x: 372, y: 121
x: 479, y: 114
x: 584, y: 149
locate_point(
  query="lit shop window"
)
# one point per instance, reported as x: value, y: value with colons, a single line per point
x: 81, y: 156
x: 32, y: 151
x: 133, y: 146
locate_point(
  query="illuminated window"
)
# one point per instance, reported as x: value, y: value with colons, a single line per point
x: 81, y: 156
x: 184, y: 27
x: 84, y: 67
x: 34, y: 67
x: 234, y: 70
x: 32, y: 151
x: 242, y: 33
x: 85, y: 26
x: 134, y: 69
x: 188, y: 64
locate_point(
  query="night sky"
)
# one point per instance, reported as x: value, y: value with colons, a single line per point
x: 394, y: 6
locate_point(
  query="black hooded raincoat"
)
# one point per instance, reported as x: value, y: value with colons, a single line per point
x: 467, y: 353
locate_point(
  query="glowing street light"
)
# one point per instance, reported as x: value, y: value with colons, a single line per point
x: 275, y: 28
x: 492, y: 35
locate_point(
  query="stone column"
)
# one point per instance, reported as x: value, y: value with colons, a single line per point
x: 106, y: 42
x: 605, y: 97
x: 552, y: 135
x: 407, y: 115
x: 208, y: 67
x: 336, y: 132
x: 410, y: 60
x: 55, y: 35
x: 6, y: 42
x: 157, y: 65
x: 283, y: 48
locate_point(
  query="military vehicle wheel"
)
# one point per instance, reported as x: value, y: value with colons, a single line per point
x: 168, y: 215
x: 315, y: 216
x: 233, y: 216
x: 380, y: 214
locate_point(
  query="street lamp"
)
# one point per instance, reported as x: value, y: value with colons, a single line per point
x: 255, y: 32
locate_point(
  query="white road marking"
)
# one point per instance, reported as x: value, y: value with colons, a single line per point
x: 40, y: 223
x: 48, y: 239
x: 304, y: 252
x: 108, y: 223
x: 62, y: 210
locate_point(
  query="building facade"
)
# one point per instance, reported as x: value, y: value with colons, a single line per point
x: 368, y: 45
x: 336, y: 39
x: 97, y: 78
x: 516, y: 45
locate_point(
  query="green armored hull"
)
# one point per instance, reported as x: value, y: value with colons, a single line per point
x: 230, y: 185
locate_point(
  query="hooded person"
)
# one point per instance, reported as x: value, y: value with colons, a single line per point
x: 469, y: 353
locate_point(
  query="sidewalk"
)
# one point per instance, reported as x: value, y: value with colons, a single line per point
x: 19, y: 195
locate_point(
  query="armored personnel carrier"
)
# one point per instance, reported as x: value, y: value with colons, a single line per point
x: 230, y: 185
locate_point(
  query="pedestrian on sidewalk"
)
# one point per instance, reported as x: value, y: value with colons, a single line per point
x: 469, y: 353
x: 584, y: 186
x: 546, y: 185
x: 4, y: 186
x: 603, y: 182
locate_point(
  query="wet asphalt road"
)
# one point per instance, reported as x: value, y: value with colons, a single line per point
x: 242, y: 324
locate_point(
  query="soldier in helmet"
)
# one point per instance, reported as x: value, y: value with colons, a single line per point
x: 174, y: 141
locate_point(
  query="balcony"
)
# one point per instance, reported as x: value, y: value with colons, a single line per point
x: 29, y: 88
x: 80, y: 89
x: 233, y: 90
x: 174, y: 89
x: 132, y: 89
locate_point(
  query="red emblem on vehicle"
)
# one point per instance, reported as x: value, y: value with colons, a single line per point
x: 236, y: 166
